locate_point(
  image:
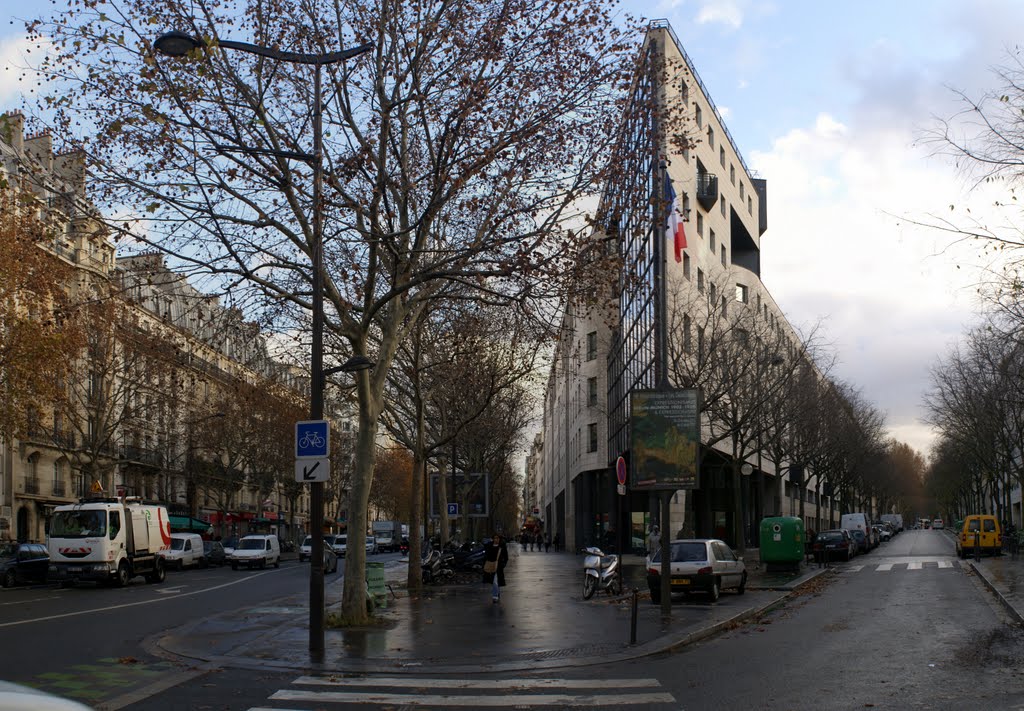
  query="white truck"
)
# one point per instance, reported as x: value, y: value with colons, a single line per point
x: 388, y: 535
x: 109, y: 541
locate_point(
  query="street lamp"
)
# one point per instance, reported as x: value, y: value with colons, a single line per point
x: 179, y: 44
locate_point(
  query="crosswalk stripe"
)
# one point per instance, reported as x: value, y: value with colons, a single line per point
x: 519, y: 700
x: 884, y: 567
x: 913, y: 566
x: 434, y: 683
x: 855, y: 568
x: 945, y: 564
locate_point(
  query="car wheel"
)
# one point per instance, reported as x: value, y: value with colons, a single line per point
x: 122, y: 575
x: 847, y: 557
x: 159, y: 572
x: 10, y: 579
x: 589, y: 586
x: 713, y: 591
x: 743, y: 585
x: 263, y: 564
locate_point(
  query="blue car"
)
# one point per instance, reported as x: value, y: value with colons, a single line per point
x: 861, y: 539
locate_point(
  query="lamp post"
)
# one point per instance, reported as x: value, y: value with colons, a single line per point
x: 179, y: 44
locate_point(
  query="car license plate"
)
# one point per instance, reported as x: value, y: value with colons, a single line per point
x: 680, y: 581
x: 74, y: 570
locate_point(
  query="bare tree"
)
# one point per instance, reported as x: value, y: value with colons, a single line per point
x: 454, y: 152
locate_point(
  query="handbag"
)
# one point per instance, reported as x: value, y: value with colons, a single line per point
x: 491, y: 566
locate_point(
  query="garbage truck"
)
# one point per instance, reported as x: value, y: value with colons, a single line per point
x: 109, y: 540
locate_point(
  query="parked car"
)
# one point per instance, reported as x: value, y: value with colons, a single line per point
x: 186, y: 550
x: 23, y: 563
x: 16, y: 697
x: 985, y: 529
x: 256, y: 552
x: 834, y: 544
x: 704, y: 564
x: 861, y: 539
x: 371, y: 545
x: 229, y: 545
x: 306, y: 549
x: 330, y: 561
x: 884, y: 532
x: 337, y: 542
x: 214, y: 552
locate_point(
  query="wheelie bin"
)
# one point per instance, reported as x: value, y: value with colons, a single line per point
x: 782, y: 542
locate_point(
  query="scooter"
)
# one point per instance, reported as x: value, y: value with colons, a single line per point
x: 600, y: 572
x: 434, y: 568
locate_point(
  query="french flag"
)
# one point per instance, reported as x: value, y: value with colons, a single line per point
x: 674, y: 225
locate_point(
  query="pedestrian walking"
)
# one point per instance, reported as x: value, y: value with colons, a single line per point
x: 495, y: 560
x: 547, y: 542
x: 654, y: 539
x: 556, y: 541
x: 522, y: 540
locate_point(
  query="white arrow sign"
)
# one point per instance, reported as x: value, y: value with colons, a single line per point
x: 310, y: 470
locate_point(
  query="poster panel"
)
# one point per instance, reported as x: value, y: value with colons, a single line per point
x: 665, y: 438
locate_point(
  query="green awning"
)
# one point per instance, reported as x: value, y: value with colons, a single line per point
x: 187, y: 524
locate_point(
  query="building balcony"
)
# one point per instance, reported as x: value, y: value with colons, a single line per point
x: 64, y: 439
x: 141, y: 455
x: 31, y: 485
x: 60, y: 488
x: 707, y: 190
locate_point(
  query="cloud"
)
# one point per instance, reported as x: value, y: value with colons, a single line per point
x: 15, y: 77
x: 838, y: 251
x: 725, y: 12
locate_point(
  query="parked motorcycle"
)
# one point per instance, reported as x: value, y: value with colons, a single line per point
x: 470, y: 557
x: 436, y: 567
x: 600, y: 572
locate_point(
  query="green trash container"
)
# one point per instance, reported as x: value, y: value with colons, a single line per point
x: 375, y: 584
x: 782, y: 542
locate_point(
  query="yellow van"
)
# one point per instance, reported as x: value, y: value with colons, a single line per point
x: 985, y: 529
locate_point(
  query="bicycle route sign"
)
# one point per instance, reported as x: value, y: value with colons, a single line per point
x: 312, y: 439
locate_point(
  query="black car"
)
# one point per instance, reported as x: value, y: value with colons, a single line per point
x: 214, y: 553
x: 23, y: 563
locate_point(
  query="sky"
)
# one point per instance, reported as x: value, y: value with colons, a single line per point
x: 828, y: 102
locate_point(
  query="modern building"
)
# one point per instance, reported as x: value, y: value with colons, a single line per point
x: 676, y: 299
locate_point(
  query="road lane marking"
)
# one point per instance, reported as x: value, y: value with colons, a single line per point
x: 914, y: 566
x: 945, y: 564
x: 855, y: 569
x: 884, y: 567
x: 433, y: 683
x: 134, y: 604
x: 518, y: 700
x: 35, y: 599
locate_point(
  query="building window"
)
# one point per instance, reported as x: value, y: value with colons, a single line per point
x: 591, y: 392
x: 725, y: 307
x: 592, y: 345
x: 698, y: 116
x: 732, y: 174
x: 742, y: 293
x: 686, y: 265
x: 686, y: 208
x: 685, y: 90
x: 687, y: 344
x: 741, y: 193
x: 721, y: 155
x: 700, y: 280
x: 750, y: 206
x: 725, y: 258
x: 721, y: 206
x: 700, y: 224
x: 714, y: 294
x: 592, y: 437
x: 700, y: 340
x: 711, y: 241
x: 711, y: 138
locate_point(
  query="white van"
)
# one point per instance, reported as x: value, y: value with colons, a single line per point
x: 256, y: 552
x: 186, y: 549
x: 859, y: 522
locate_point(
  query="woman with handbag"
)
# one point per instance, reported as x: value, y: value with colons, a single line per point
x: 495, y: 560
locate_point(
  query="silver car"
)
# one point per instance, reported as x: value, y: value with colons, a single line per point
x: 698, y: 565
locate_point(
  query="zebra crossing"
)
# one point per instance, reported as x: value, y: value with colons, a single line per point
x: 322, y: 692
x: 899, y: 566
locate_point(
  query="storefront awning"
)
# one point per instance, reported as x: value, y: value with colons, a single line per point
x: 187, y: 524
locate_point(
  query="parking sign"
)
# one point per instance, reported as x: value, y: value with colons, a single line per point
x: 312, y: 439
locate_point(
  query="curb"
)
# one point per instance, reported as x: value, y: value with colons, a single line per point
x: 662, y: 645
x: 1014, y: 613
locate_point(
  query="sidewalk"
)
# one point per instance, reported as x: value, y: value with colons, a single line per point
x: 541, y: 622
x: 1004, y: 577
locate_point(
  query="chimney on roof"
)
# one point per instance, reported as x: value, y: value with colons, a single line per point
x: 40, y: 147
x: 12, y: 129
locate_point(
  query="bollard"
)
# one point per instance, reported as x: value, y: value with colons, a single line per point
x: 632, y: 623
